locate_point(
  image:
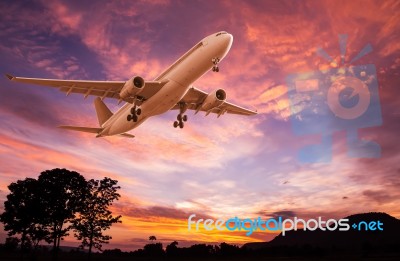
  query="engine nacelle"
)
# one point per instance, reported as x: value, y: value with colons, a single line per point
x: 214, y: 99
x: 132, y: 87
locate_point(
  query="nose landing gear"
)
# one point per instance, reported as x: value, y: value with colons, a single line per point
x: 215, y: 61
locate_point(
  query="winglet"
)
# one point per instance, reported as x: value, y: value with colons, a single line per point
x: 9, y: 76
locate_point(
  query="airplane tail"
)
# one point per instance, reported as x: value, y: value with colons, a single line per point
x: 102, y: 111
x: 103, y: 114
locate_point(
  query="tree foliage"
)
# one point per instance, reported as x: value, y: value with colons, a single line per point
x: 62, y: 196
x: 23, y: 212
x: 172, y: 249
x: 59, y: 200
x: 95, y: 216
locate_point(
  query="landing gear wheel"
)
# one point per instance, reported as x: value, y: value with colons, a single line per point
x: 176, y: 124
x: 215, y: 69
x: 179, y: 117
x: 133, y: 110
x: 129, y: 117
x: 215, y: 61
x: 135, y: 118
x: 138, y: 111
x: 181, y: 124
x: 184, y: 118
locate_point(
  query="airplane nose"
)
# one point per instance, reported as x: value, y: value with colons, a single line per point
x: 228, y: 40
x: 223, y: 43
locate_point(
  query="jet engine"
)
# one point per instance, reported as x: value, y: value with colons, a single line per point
x: 132, y: 87
x: 214, y: 99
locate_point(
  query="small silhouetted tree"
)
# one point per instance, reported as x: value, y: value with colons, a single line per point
x: 228, y: 250
x: 61, y: 196
x: 152, y: 238
x: 23, y: 213
x: 172, y: 249
x: 154, y: 250
x: 95, y: 216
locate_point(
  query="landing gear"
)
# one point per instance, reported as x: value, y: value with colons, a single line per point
x: 132, y: 117
x: 180, y: 121
x: 135, y: 112
x: 181, y: 117
x: 215, y: 61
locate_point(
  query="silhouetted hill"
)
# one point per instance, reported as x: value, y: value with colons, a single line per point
x: 353, y: 239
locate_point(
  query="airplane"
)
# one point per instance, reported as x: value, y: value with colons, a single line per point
x: 171, y: 90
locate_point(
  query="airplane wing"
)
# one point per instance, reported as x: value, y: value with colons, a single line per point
x: 195, y: 97
x: 103, y: 89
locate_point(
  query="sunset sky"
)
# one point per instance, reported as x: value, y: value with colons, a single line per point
x: 219, y: 168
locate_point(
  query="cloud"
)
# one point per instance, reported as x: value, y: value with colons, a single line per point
x: 152, y: 212
x: 285, y: 214
x: 29, y: 109
x: 379, y: 195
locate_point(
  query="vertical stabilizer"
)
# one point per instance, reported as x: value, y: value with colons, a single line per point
x: 103, y: 113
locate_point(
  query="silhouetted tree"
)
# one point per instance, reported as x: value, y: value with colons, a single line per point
x: 95, y: 216
x: 201, y: 250
x: 154, y: 250
x: 113, y: 252
x: 172, y: 249
x: 228, y: 250
x: 23, y: 213
x: 11, y: 244
x: 62, y: 195
x: 152, y: 238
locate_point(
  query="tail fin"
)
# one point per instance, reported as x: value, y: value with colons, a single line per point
x: 103, y: 113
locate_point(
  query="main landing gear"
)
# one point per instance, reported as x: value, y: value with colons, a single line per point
x: 181, y: 118
x: 135, y: 112
x: 215, y: 61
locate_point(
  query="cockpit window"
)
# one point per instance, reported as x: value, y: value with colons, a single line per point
x: 220, y: 33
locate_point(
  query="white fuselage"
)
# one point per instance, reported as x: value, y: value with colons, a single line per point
x: 180, y: 76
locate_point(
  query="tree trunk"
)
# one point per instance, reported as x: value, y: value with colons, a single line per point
x: 55, y: 250
x: 90, y: 244
x: 23, y: 238
x: 58, y: 242
x: 90, y: 252
x: 54, y: 238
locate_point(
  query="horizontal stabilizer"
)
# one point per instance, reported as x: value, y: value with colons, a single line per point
x: 127, y: 135
x: 83, y: 129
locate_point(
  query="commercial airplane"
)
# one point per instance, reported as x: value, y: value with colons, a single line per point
x: 172, y: 90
